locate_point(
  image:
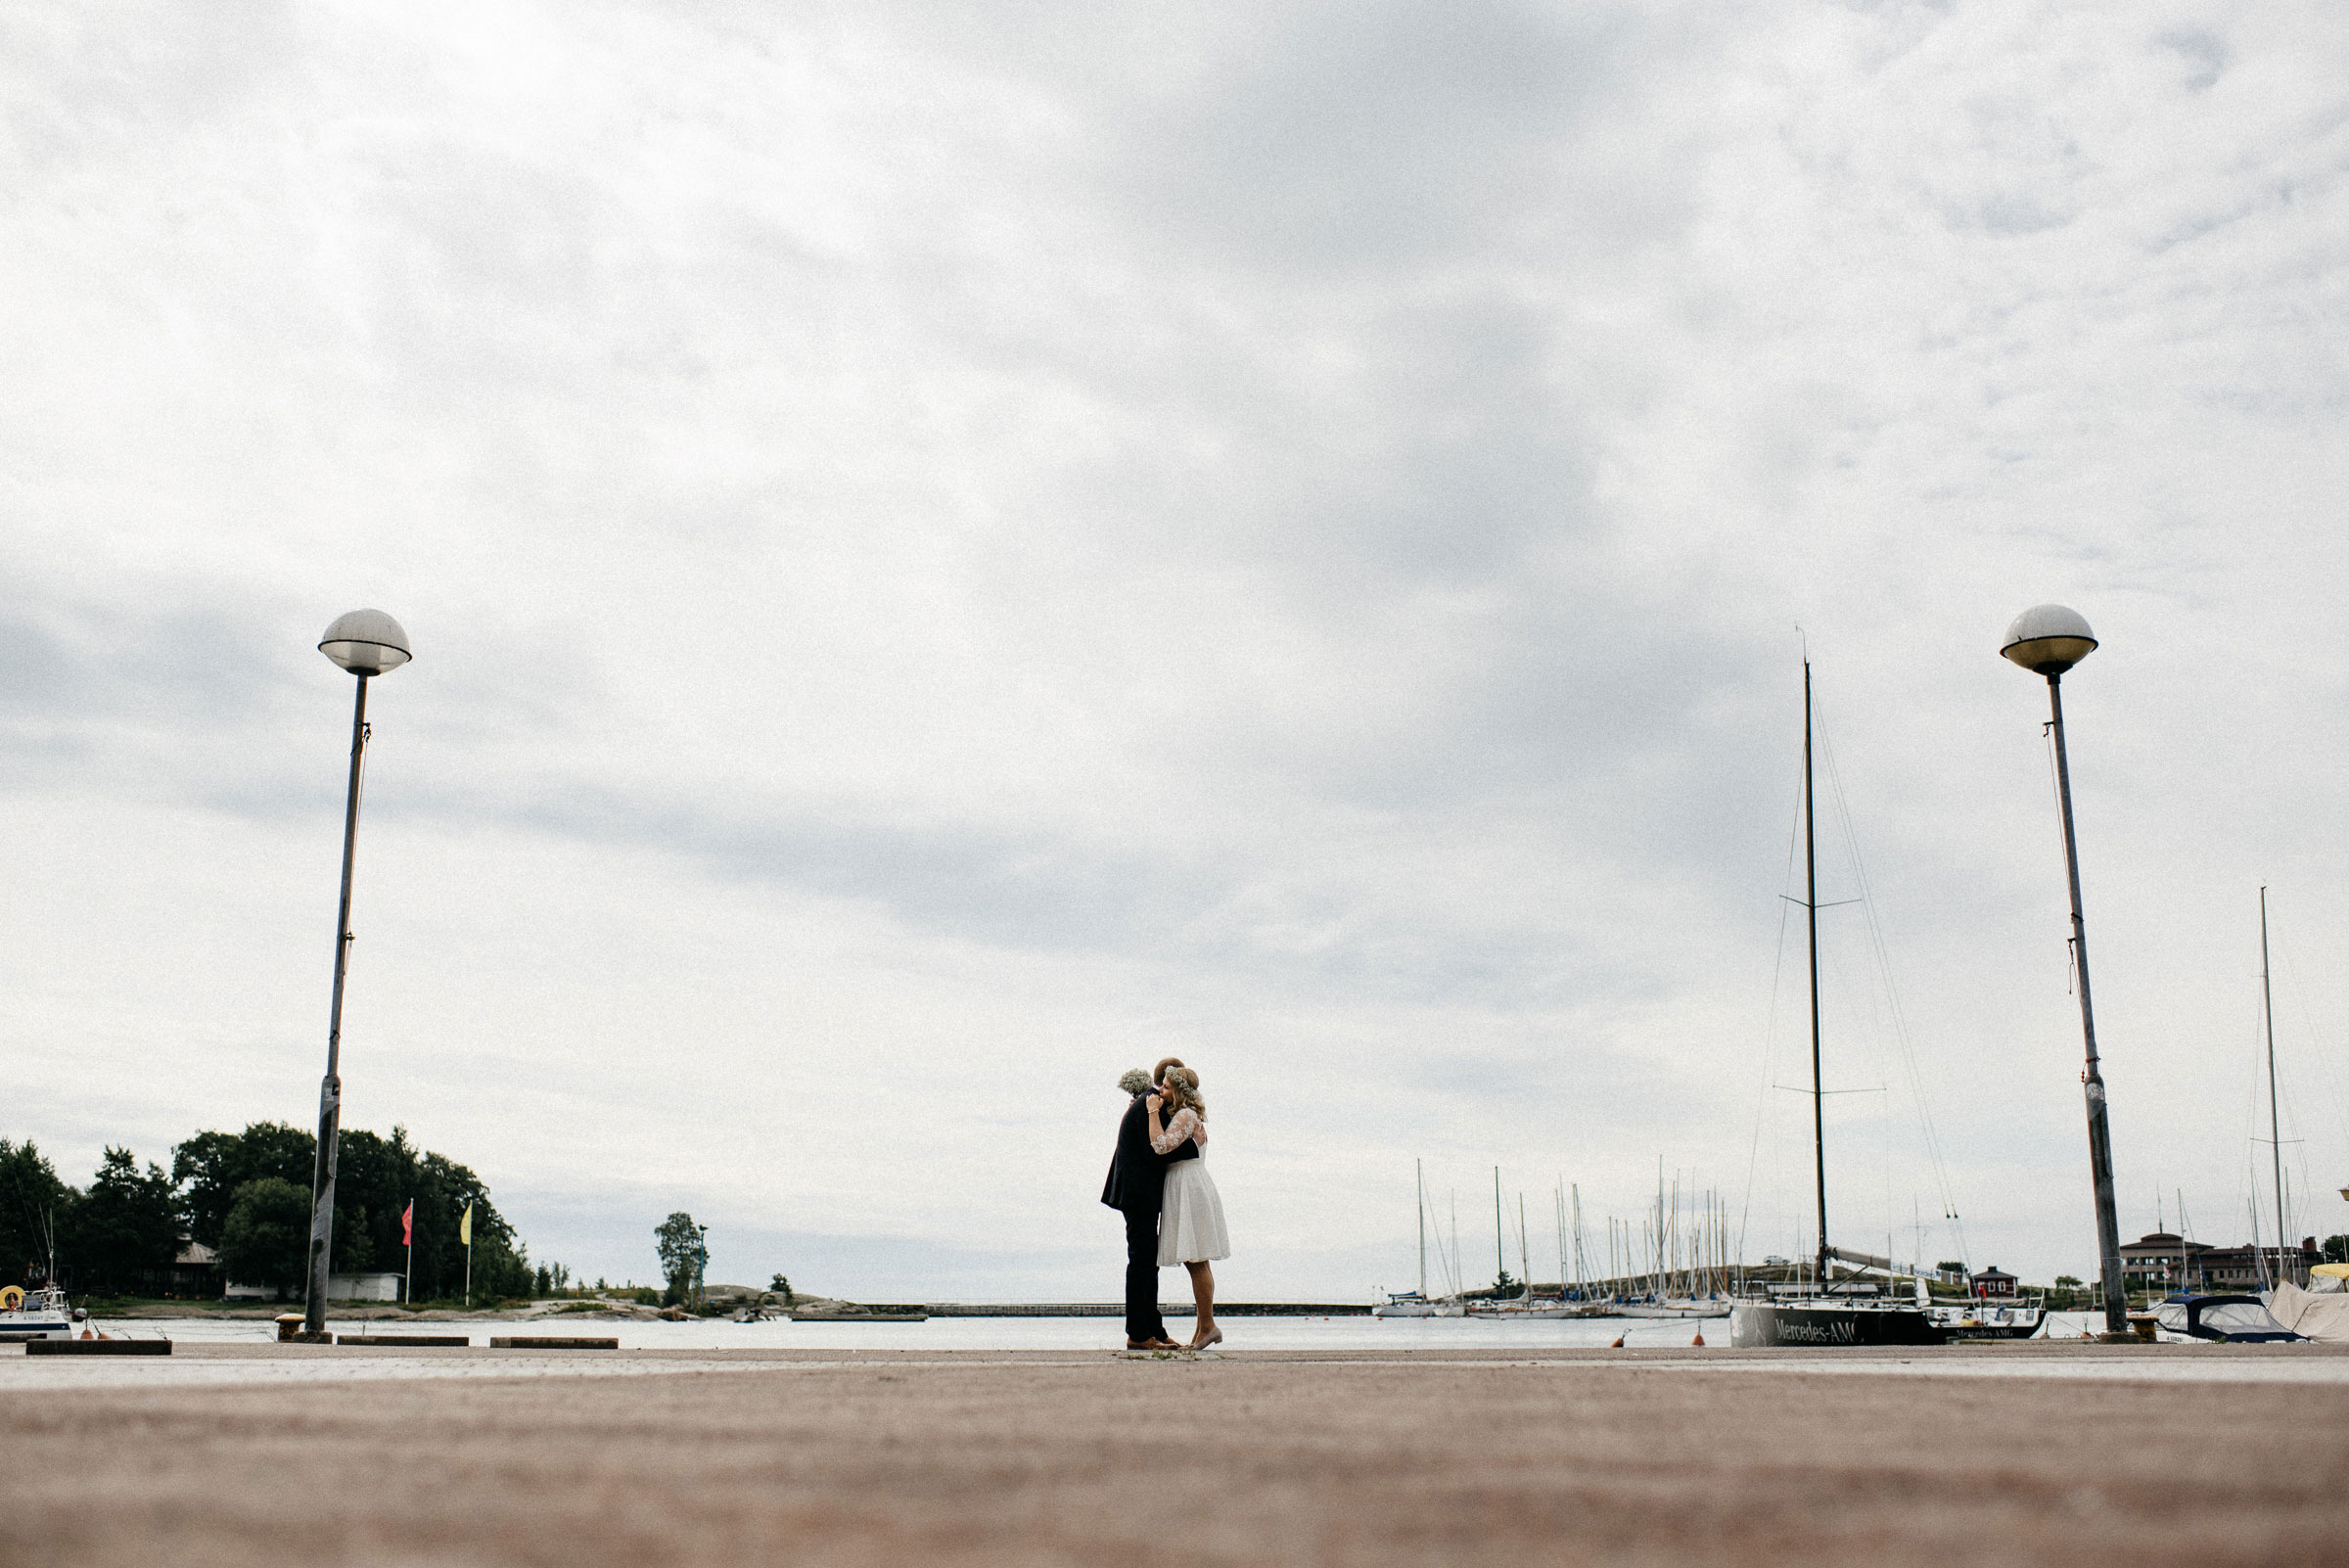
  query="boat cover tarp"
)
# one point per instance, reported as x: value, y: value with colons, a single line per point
x: 2319, y: 1315
x: 2241, y: 1320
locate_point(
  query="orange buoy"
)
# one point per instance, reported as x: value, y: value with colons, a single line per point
x: 1700, y: 1338
x: 1618, y: 1345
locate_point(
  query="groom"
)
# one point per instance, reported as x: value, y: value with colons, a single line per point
x: 1137, y: 1177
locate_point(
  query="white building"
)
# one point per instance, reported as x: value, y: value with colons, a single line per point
x: 338, y: 1287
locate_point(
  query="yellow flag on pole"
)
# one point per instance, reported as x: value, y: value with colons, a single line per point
x: 465, y: 1226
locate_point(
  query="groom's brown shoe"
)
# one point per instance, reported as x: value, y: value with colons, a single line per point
x: 1151, y: 1344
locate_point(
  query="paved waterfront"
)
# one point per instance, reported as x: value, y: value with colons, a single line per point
x: 2044, y: 1452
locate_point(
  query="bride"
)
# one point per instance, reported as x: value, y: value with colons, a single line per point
x: 1190, y: 1219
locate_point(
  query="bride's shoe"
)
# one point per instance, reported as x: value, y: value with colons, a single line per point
x: 1214, y: 1336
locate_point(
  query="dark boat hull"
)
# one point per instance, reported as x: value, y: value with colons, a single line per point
x: 1754, y: 1325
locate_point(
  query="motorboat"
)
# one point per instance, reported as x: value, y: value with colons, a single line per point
x: 41, y: 1312
x: 1979, y: 1319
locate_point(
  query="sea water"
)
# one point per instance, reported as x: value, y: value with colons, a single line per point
x: 1351, y: 1333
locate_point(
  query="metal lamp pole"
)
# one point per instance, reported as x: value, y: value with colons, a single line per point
x: 2048, y: 640
x: 367, y: 644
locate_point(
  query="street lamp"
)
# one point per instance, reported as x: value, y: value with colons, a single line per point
x: 367, y: 644
x: 2048, y: 640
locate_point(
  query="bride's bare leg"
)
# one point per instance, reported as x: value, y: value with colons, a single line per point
x: 1203, y: 1292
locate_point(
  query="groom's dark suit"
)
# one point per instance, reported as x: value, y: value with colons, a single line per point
x: 1137, y: 1179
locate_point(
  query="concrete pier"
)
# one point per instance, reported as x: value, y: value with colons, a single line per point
x: 2056, y: 1453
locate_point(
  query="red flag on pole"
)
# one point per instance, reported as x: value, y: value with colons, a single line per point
x: 407, y: 1225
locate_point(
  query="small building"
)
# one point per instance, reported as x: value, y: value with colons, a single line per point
x: 338, y: 1287
x: 195, y: 1270
x: 385, y: 1286
x: 1993, y: 1281
x: 2163, y: 1261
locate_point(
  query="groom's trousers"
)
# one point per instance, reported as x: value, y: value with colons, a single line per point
x: 1142, y: 1320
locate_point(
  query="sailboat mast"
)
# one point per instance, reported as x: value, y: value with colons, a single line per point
x: 1419, y: 1179
x: 1578, y: 1238
x: 1501, y: 1259
x: 1819, y: 1115
x: 2266, y: 1008
x: 1524, y: 1261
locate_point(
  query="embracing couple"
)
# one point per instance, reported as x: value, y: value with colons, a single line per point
x: 1159, y: 1182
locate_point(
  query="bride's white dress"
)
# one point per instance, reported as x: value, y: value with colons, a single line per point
x: 1190, y: 1217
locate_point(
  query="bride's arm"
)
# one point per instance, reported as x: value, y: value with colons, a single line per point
x: 1167, y: 1138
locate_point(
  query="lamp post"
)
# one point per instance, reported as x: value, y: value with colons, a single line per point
x: 367, y: 644
x: 2048, y: 640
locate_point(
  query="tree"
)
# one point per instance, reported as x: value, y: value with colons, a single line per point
x: 782, y: 1288
x: 376, y: 1178
x: 1951, y: 1266
x: 123, y: 1233
x: 679, y: 1242
x: 266, y: 1238
x: 2336, y: 1249
x: 31, y: 1200
x: 216, y: 1166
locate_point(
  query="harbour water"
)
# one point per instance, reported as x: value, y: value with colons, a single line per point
x: 1352, y: 1333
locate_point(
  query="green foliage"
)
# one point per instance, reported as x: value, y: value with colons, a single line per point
x: 2336, y: 1249
x: 678, y: 1240
x: 782, y: 1287
x: 2067, y: 1281
x: 214, y: 1166
x: 1950, y: 1265
x: 375, y: 1178
x: 123, y: 1233
x: 266, y: 1238
x: 31, y: 1198
x: 1505, y: 1285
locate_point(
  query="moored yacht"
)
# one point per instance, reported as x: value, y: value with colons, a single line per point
x: 1826, y: 1312
x: 38, y: 1313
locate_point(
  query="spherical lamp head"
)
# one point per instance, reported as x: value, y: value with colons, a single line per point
x: 2048, y: 639
x: 366, y: 642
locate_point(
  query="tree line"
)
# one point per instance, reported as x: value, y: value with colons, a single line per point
x: 246, y: 1195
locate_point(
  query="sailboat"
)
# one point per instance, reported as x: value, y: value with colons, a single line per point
x: 1824, y: 1312
x: 1417, y: 1302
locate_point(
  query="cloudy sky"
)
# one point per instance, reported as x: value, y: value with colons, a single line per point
x: 955, y: 550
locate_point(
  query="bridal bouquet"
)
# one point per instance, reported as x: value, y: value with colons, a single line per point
x: 1135, y: 1081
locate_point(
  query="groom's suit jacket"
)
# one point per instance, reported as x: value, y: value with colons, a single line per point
x: 1137, y: 1173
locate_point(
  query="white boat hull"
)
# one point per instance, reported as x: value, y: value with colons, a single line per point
x: 1672, y: 1309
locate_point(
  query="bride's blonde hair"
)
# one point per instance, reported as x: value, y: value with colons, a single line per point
x: 1181, y: 1087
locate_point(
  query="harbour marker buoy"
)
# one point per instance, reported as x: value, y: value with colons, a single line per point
x: 1618, y: 1345
x: 1700, y: 1338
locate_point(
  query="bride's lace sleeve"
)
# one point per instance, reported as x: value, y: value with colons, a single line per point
x: 1186, y: 1124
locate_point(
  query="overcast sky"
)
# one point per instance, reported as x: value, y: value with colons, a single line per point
x: 953, y: 551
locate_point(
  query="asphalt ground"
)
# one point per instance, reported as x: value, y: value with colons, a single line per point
x: 2041, y: 1453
